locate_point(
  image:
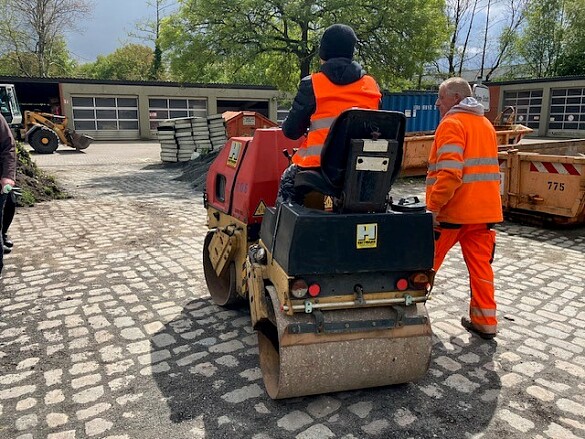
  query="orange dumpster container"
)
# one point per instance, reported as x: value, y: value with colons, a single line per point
x: 244, y: 123
x: 415, y: 159
x: 544, y: 182
x: 417, y: 147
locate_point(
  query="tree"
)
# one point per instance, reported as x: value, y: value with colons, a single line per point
x: 37, y: 27
x: 460, y: 15
x: 12, y: 63
x: 279, y: 39
x: 540, y: 45
x: 512, y: 17
x: 131, y: 62
x: 148, y: 30
x: 482, y: 33
x: 572, y: 61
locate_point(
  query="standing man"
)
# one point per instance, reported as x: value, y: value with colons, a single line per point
x: 340, y: 84
x: 463, y: 193
x: 7, y: 170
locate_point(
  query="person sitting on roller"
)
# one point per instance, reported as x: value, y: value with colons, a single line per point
x: 340, y: 84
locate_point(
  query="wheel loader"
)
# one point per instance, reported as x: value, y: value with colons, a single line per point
x: 336, y: 277
x: 44, y: 131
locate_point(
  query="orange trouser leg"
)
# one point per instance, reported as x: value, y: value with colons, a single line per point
x: 478, y: 245
x: 447, y: 238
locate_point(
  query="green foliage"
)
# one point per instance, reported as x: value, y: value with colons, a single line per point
x: 276, y: 42
x: 540, y: 44
x: 571, y: 64
x: 131, y: 62
x: 26, y: 198
x: 572, y: 61
x: 553, y: 41
x: 58, y: 60
x: 32, y: 35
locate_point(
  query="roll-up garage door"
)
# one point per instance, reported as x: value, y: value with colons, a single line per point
x: 106, y: 118
x: 170, y: 108
x: 527, y: 104
x: 567, y: 112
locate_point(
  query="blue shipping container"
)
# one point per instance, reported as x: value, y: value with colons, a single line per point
x: 418, y: 106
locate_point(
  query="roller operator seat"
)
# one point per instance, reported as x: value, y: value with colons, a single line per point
x: 360, y: 160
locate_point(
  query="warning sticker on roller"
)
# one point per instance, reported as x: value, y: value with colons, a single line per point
x: 234, y: 154
x: 260, y: 209
x: 367, y: 236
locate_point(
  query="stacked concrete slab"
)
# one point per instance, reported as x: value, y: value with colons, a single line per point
x: 183, y: 139
x: 217, y: 133
x: 168, y: 141
x: 201, y: 135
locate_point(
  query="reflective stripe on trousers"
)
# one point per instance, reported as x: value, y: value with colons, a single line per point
x: 477, y: 243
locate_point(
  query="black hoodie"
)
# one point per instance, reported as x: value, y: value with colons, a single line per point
x: 340, y: 71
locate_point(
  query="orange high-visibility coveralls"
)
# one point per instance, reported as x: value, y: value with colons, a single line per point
x: 332, y: 99
x: 463, y: 188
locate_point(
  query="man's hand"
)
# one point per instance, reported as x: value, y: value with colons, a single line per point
x: 435, y: 222
x: 5, y: 181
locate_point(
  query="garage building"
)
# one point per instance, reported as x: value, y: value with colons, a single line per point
x: 552, y: 107
x: 131, y: 110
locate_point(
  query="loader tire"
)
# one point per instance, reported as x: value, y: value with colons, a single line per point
x: 44, y: 141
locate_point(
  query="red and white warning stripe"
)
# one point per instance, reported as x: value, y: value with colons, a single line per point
x: 555, y: 168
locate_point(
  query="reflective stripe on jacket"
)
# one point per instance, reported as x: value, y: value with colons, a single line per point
x: 332, y: 99
x: 463, y: 179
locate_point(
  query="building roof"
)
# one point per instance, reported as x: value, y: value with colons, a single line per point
x: 537, y: 80
x: 21, y: 79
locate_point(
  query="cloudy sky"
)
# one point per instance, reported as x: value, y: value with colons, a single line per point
x: 108, y: 27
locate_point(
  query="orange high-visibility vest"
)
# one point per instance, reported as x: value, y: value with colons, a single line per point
x: 463, y: 180
x: 332, y: 99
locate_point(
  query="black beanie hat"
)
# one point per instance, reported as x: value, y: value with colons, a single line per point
x: 338, y: 41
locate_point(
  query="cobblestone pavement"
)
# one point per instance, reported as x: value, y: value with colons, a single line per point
x: 107, y: 329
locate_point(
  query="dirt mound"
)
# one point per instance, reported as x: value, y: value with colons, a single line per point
x: 36, y: 185
x: 195, y: 171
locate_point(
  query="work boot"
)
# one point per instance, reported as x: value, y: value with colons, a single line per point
x: 7, y: 242
x: 468, y: 324
x: 6, y: 249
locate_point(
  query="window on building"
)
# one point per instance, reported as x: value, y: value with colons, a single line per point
x: 567, y: 110
x: 170, y: 108
x: 105, y: 113
x: 528, y: 105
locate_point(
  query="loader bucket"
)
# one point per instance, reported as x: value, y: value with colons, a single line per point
x: 79, y: 141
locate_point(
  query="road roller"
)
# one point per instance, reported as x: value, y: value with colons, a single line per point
x: 336, y: 276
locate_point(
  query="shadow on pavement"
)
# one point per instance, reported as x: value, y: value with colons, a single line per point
x: 212, y: 380
x: 149, y: 180
x: 68, y: 151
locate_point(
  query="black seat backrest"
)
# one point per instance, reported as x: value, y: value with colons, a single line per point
x: 360, y: 160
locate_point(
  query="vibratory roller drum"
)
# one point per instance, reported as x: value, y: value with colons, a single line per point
x: 294, y: 363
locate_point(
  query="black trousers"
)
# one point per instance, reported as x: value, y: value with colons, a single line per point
x: 8, y: 215
x: 2, y: 202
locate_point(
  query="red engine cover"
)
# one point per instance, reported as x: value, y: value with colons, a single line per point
x: 244, y: 177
